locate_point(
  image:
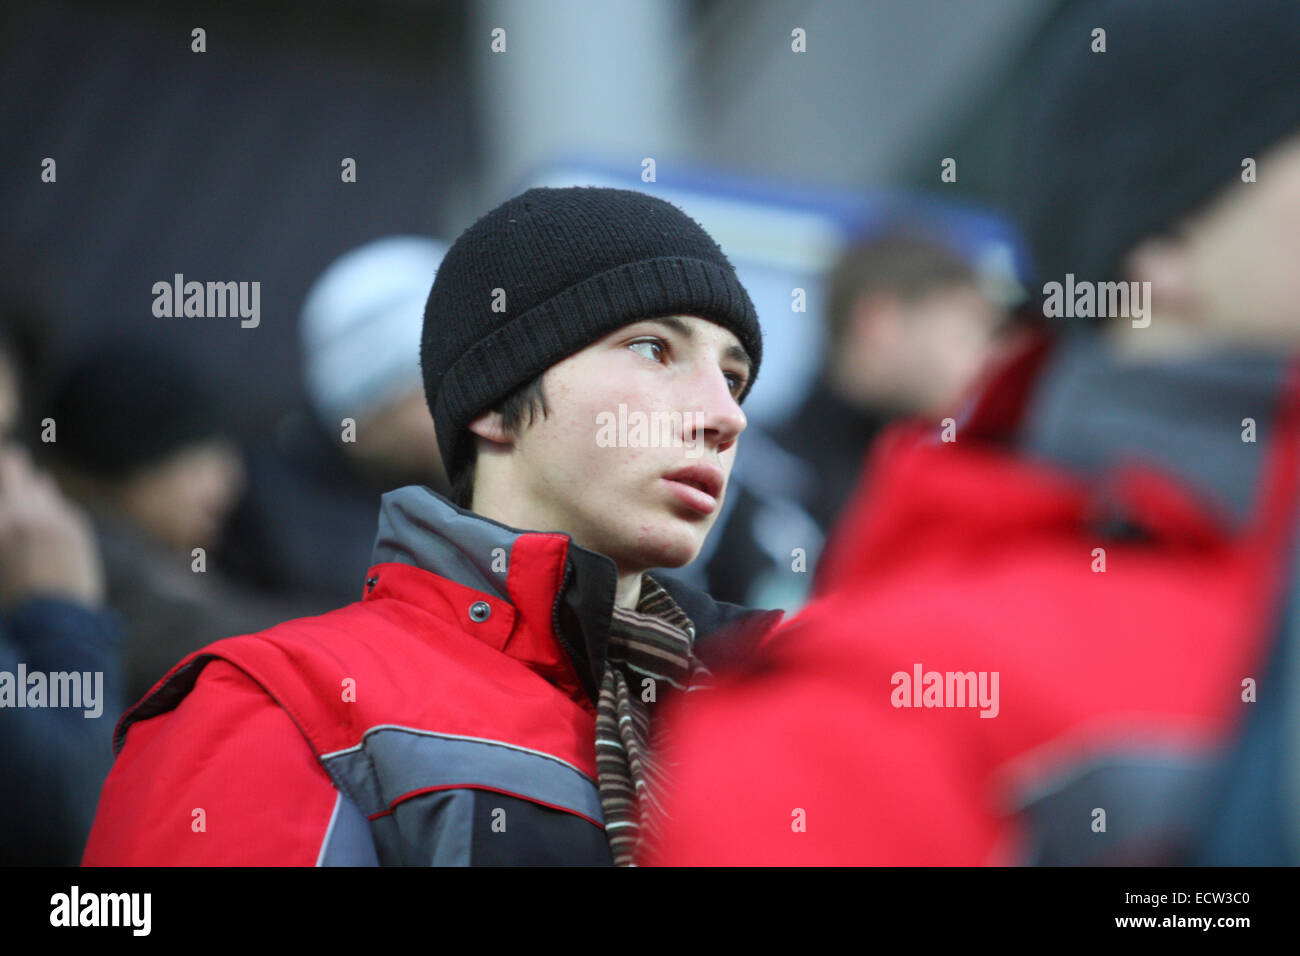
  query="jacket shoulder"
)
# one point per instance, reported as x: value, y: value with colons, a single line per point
x: 226, y: 755
x: 302, y: 664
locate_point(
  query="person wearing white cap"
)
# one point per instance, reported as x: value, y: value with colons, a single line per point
x: 307, y: 522
x: 360, y: 332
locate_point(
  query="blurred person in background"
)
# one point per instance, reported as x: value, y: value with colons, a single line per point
x: 52, y: 621
x: 909, y: 324
x: 140, y: 442
x: 1068, y: 636
x: 908, y: 327
x: 306, y: 522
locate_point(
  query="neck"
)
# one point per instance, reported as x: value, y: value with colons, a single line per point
x: 628, y: 591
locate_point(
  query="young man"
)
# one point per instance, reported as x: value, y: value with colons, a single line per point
x: 1036, y: 641
x: 489, y: 699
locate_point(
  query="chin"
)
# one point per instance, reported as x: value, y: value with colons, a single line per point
x: 666, y: 547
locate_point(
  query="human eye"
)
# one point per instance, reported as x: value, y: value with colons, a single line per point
x: 741, y: 380
x: 653, y: 343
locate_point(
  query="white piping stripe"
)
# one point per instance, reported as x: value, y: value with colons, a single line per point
x: 431, y: 733
x: 338, y: 802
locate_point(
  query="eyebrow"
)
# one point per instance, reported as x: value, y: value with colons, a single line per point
x: 686, y: 332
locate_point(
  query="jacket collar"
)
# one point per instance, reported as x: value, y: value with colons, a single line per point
x: 1095, y: 411
x: 550, y: 600
x: 1062, y: 433
x: 1068, y: 400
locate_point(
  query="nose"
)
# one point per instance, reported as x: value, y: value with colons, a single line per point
x: 716, y: 417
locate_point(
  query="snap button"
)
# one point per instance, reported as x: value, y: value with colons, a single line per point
x: 480, y: 611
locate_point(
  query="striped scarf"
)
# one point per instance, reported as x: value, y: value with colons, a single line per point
x: 649, y: 656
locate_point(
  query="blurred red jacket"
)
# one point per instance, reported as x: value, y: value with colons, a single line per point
x: 970, y: 687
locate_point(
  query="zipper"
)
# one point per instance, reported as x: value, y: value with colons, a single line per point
x: 575, y: 658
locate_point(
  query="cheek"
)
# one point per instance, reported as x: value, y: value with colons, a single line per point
x: 1246, y: 269
x: 573, y: 452
x: 1283, y: 234
x: 562, y: 449
x: 938, y: 350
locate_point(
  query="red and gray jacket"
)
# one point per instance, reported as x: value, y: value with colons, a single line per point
x: 448, y: 717
x: 1109, y: 539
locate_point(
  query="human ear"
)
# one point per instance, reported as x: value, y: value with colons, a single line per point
x: 490, y: 426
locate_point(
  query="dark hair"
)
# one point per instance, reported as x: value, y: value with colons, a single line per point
x: 527, y: 398
x: 898, y: 263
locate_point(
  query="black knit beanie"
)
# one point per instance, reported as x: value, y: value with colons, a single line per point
x: 572, y: 265
x: 1119, y: 145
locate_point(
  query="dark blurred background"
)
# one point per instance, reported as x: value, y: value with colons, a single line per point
x: 225, y: 165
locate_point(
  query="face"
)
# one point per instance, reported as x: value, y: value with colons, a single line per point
x: 947, y: 337
x: 1241, y: 254
x: 184, y: 500
x: 642, y: 403
x: 917, y: 357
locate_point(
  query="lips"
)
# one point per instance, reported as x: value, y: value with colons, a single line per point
x: 706, y: 478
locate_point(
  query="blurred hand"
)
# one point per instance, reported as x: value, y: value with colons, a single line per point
x: 47, y: 544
